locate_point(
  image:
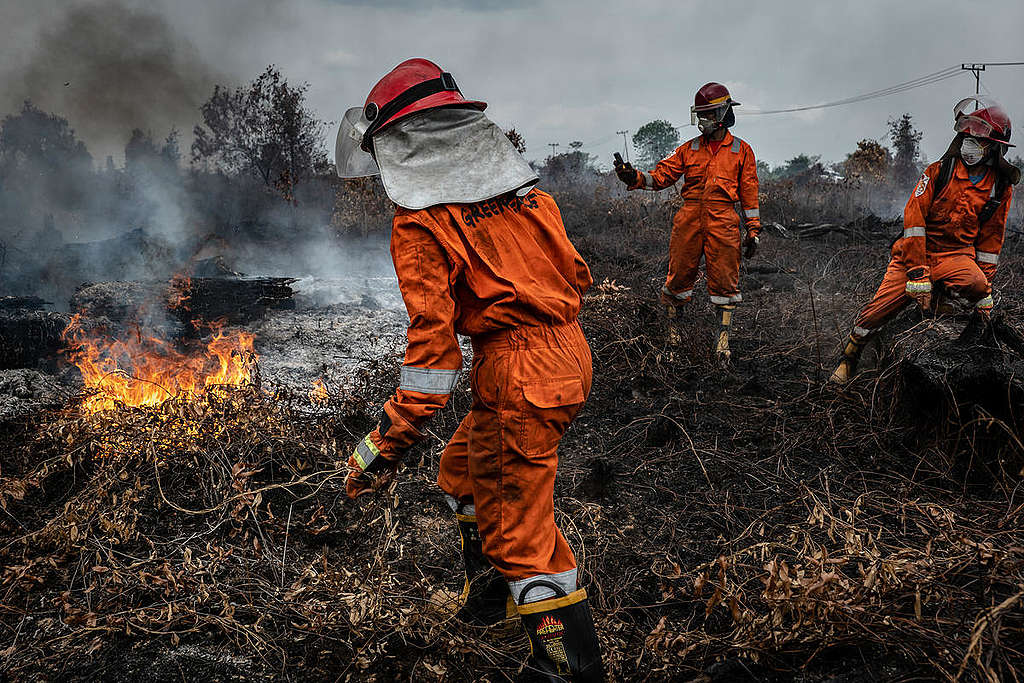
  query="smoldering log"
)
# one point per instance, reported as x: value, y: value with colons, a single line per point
x: 233, y: 300
x: 30, y: 338
x: 28, y: 303
x: 120, y: 301
x: 866, y: 228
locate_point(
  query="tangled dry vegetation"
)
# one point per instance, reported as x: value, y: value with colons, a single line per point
x: 741, y: 525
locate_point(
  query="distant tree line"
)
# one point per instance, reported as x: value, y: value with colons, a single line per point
x: 258, y: 168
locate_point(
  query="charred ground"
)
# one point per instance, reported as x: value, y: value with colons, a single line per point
x: 750, y: 524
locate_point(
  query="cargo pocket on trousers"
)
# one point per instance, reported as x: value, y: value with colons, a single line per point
x: 551, y: 405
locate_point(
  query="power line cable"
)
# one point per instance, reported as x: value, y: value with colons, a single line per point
x: 919, y: 82
x: 858, y: 98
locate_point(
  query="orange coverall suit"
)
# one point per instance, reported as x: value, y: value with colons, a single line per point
x: 942, y: 234
x: 503, y: 272
x: 707, y: 224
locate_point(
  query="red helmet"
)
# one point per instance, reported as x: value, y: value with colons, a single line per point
x: 988, y: 121
x: 414, y: 85
x: 712, y: 96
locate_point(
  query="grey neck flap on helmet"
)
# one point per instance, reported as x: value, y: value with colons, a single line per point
x: 449, y: 156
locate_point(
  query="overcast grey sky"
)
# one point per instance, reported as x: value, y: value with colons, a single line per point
x: 558, y: 70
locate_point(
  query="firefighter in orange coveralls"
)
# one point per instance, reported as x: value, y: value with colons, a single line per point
x: 718, y: 171
x: 480, y: 252
x: 953, y: 227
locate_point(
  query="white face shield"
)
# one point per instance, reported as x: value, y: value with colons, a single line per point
x: 350, y: 160
x: 449, y: 155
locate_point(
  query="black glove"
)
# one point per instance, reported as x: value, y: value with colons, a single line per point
x: 750, y: 246
x: 624, y: 170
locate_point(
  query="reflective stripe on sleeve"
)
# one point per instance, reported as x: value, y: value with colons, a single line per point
x: 916, y: 287
x: 752, y: 213
x: 915, y: 232
x: 648, y: 180
x: 366, y: 452
x: 986, y: 257
x: 985, y: 303
x: 564, y: 580
x: 427, y: 380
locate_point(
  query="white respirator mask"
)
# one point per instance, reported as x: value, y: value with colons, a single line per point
x: 972, y: 151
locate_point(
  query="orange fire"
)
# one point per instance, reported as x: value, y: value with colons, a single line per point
x: 146, y: 371
x: 318, y: 394
x: 179, y: 292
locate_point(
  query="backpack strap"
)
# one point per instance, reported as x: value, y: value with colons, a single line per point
x: 945, y: 173
x: 995, y: 199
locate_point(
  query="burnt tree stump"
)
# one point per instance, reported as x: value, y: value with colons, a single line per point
x: 969, y: 386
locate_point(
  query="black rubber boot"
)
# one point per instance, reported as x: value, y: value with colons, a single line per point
x: 722, y: 351
x: 847, y: 367
x: 486, y: 600
x: 675, y: 335
x: 563, y: 642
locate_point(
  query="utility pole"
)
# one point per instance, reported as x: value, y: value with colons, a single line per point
x: 552, y: 145
x: 625, y: 144
x: 977, y: 68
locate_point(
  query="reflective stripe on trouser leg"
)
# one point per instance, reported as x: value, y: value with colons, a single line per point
x: 681, y: 297
x: 466, y: 509
x: 564, y: 580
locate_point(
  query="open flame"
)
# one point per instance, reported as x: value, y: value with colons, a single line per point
x: 146, y: 371
x: 318, y: 393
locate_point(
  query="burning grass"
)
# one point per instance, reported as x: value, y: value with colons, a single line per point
x: 141, y: 369
x: 745, y: 525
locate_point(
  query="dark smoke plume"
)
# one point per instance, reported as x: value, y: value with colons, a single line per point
x: 109, y: 68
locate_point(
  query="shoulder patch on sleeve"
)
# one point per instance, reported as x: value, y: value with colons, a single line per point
x: 922, y: 185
